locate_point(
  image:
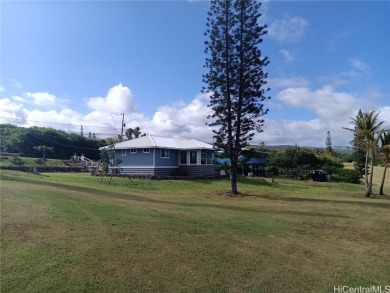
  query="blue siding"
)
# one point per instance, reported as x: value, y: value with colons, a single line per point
x: 137, y: 159
x: 152, y: 163
x: 173, y: 159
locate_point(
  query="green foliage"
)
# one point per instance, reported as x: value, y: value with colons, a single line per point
x: 17, y: 161
x: 3, y: 159
x: 235, y: 77
x: 293, y: 158
x: 22, y: 140
x: 329, y: 163
x: 105, y: 158
x: 40, y: 161
x: 346, y: 175
x: 43, y: 150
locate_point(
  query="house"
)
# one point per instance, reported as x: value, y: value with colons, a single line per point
x: 161, y: 156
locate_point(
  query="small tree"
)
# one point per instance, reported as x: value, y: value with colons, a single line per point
x: 328, y: 143
x: 107, y: 160
x: 132, y: 133
x: 44, y: 150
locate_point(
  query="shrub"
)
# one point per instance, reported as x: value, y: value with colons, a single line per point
x: 272, y: 170
x: 40, y: 161
x: 346, y: 175
x: 17, y: 161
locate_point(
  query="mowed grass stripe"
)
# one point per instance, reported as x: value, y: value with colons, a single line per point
x: 66, y: 237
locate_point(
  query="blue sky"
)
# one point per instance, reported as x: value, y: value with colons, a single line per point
x: 72, y: 63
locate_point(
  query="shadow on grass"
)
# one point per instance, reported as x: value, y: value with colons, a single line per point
x: 127, y: 196
x: 321, y: 200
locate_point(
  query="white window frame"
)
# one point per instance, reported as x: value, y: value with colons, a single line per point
x: 196, y: 158
x: 133, y: 151
x: 146, y: 150
x: 123, y: 152
x: 166, y: 151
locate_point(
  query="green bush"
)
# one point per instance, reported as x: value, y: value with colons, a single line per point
x: 272, y: 170
x: 40, y: 161
x: 17, y: 161
x: 346, y: 175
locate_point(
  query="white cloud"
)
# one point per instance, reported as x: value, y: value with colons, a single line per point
x: 325, y: 102
x: 11, y: 110
x: 288, y: 29
x: 303, y: 133
x: 43, y: 99
x: 183, y: 120
x: 2, y: 89
x: 119, y: 99
x: 333, y: 110
x: 359, y: 65
x: 384, y: 115
x: 286, y: 82
x: 288, y: 57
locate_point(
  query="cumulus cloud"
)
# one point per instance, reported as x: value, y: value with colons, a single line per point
x: 327, y: 103
x: 10, y: 109
x: 180, y: 119
x: 288, y: 28
x: 333, y: 110
x: 42, y: 99
x: 384, y: 115
x: 119, y: 99
x: 303, y: 132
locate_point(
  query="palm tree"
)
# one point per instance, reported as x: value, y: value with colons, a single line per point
x: 385, y: 151
x: 137, y: 132
x: 366, y: 128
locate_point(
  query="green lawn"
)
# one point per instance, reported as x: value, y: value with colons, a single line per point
x: 74, y: 233
x: 31, y: 162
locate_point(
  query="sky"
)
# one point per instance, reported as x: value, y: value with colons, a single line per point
x: 64, y: 64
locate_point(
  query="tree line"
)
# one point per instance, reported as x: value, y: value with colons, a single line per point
x: 48, y: 142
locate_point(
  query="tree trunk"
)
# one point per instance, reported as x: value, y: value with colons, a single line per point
x: 383, y: 180
x: 233, y: 179
x: 366, y: 169
x: 369, y: 186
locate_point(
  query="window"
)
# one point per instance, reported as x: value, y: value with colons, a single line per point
x: 146, y: 150
x: 183, y: 158
x: 133, y: 151
x: 206, y: 158
x: 124, y: 152
x: 164, y: 153
x: 193, y: 157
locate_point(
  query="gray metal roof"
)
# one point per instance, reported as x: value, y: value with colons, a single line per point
x: 152, y: 141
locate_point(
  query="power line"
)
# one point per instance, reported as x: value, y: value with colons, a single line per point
x: 61, y: 144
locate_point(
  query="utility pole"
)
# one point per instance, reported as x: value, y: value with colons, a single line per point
x: 123, y: 124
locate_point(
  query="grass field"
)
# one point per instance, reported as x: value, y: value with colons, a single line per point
x: 75, y: 233
x: 31, y: 162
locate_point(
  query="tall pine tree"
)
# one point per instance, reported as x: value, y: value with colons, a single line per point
x: 235, y: 77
